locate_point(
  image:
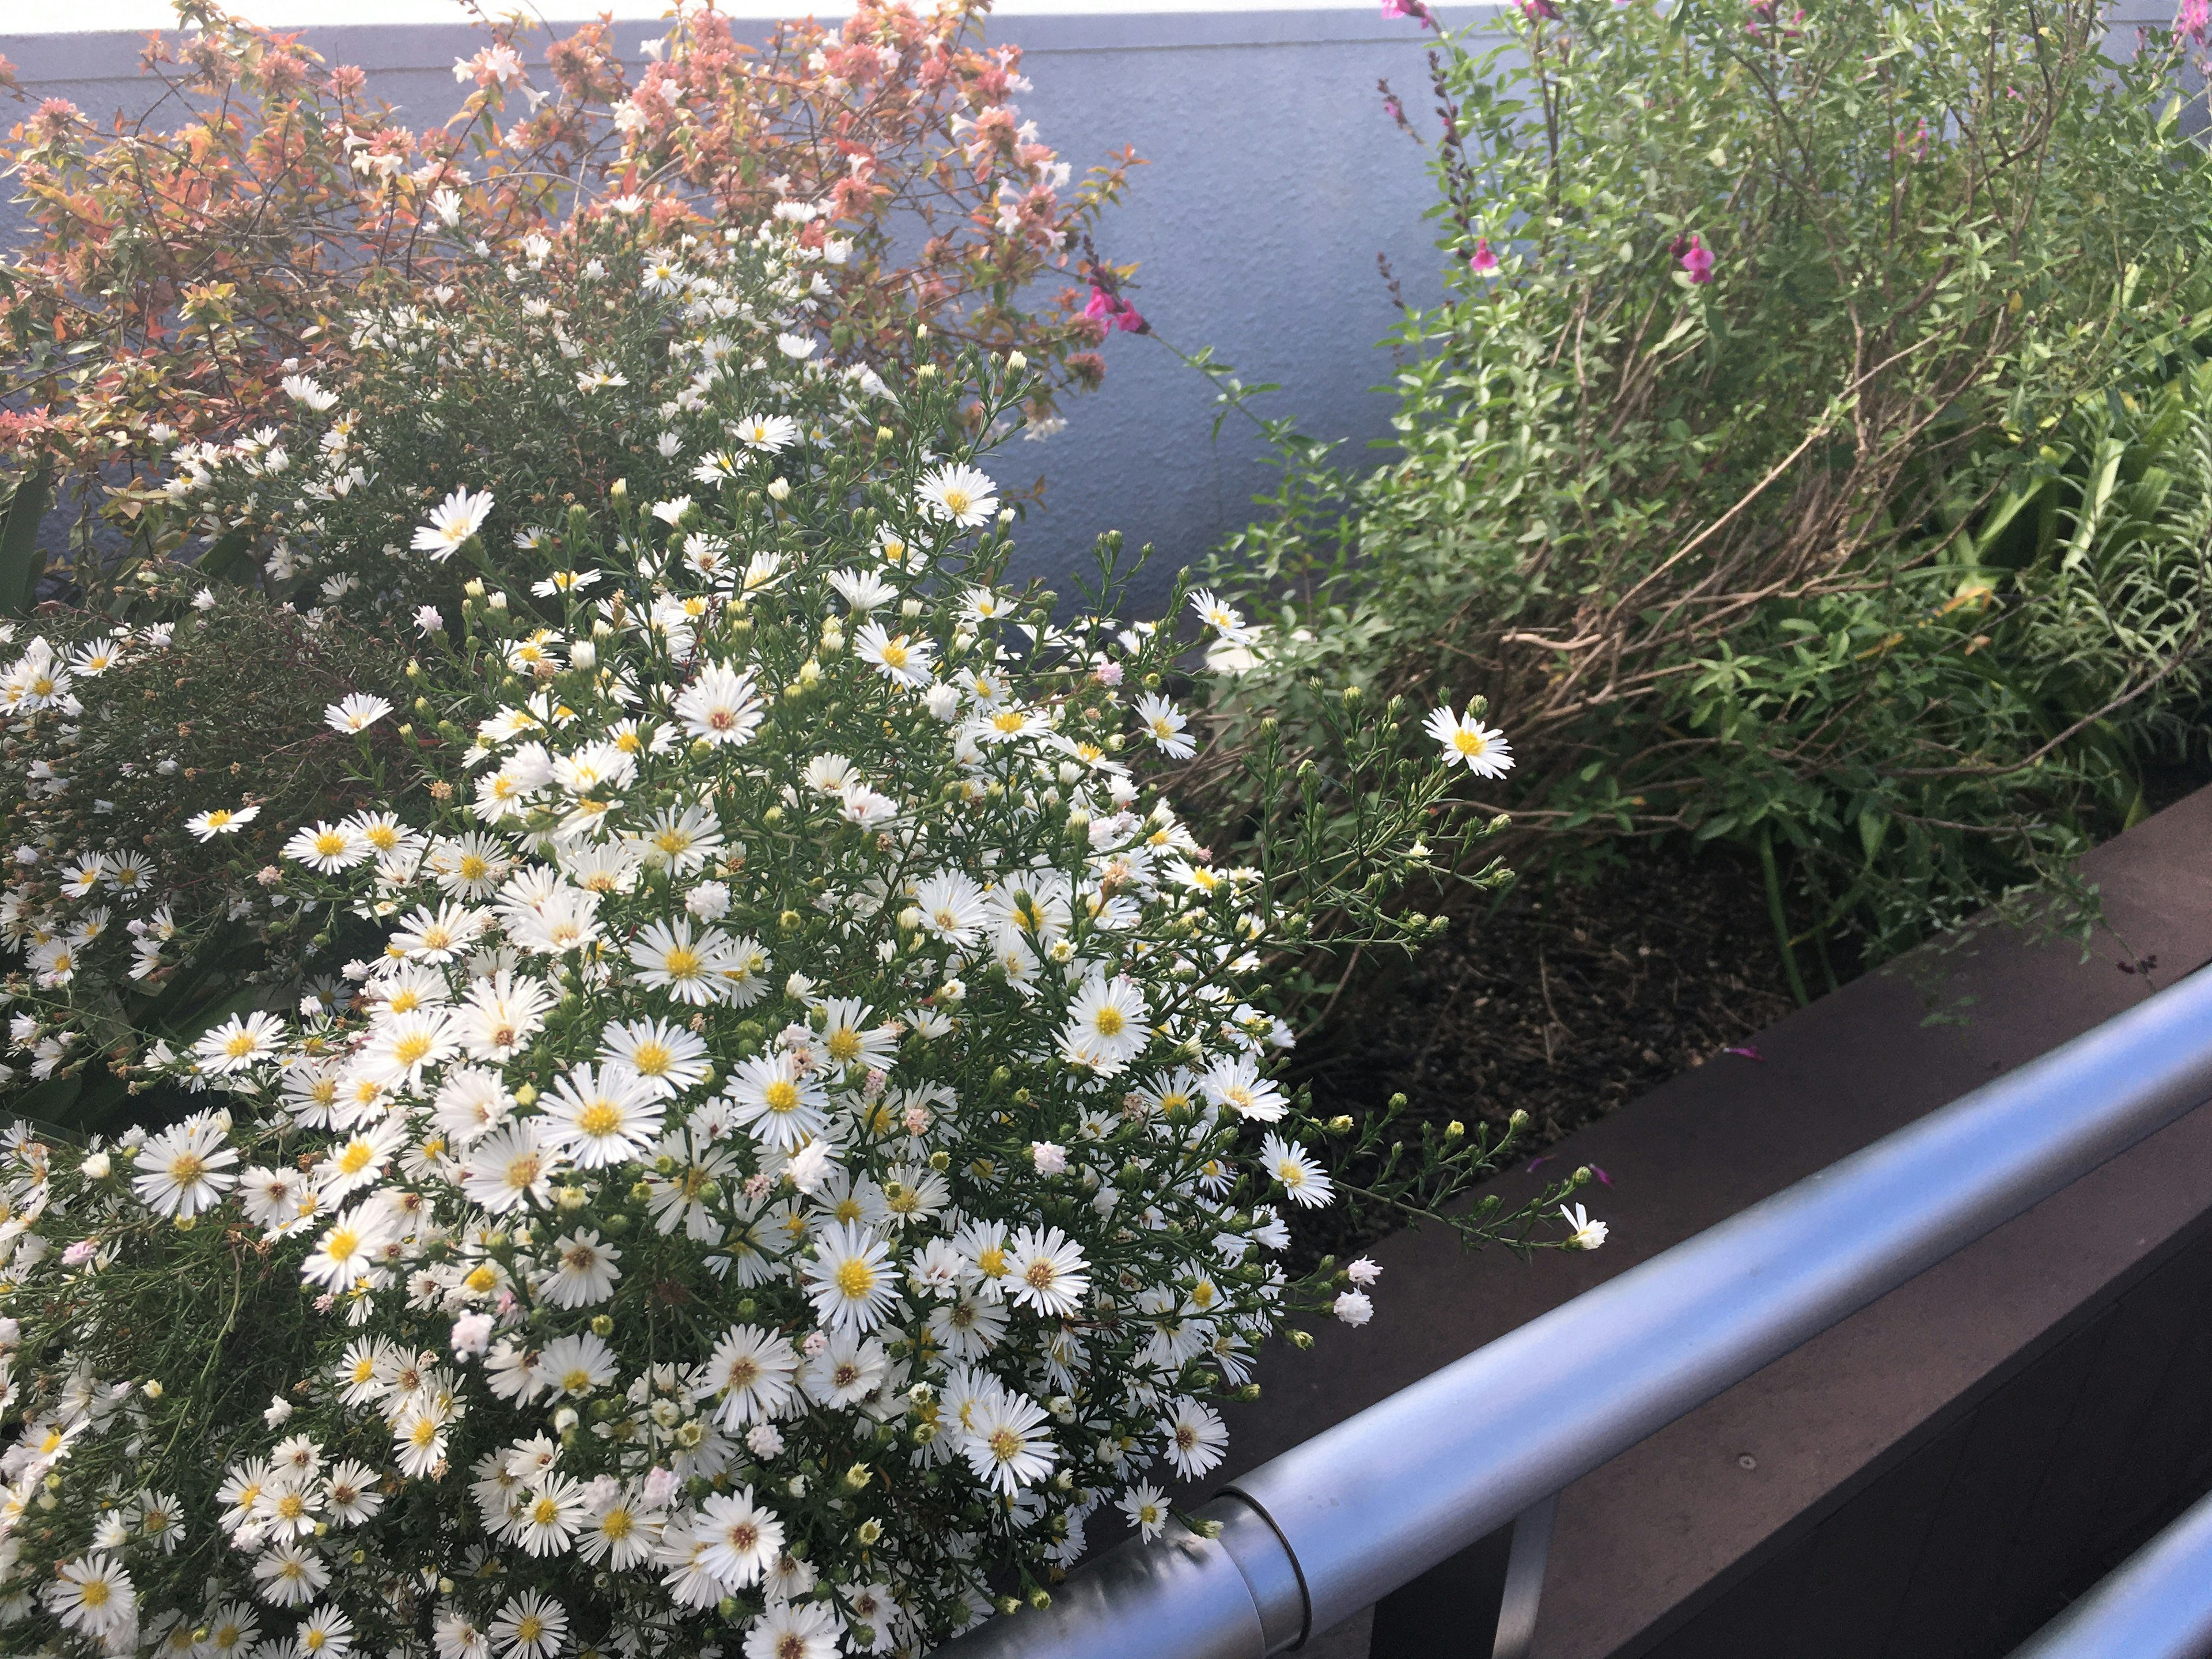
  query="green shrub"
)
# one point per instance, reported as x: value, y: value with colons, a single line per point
x: 1768, y: 340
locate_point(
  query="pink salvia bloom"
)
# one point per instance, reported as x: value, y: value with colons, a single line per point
x: 2193, y: 19
x: 1697, y: 261
x: 1114, y: 312
x: 1482, y: 261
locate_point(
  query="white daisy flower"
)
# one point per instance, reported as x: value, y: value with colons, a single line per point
x: 327, y: 848
x: 851, y: 1280
x: 220, y: 821
x: 721, y: 707
x: 780, y: 1105
x: 1195, y: 1436
x: 531, y: 1625
x: 456, y: 518
x: 767, y: 432
x: 238, y: 1044
x: 1108, y: 1025
x: 903, y: 660
x: 958, y: 495
x: 602, y: 1116
x: 1007, y: 1445
x: 1292, y: 1166
x: 356, y: 713
x: 584, y: 1270
x: 1146, y: 1508
x: 743, y: 1539
x: 183, y: 1170
x: 1485, y: 748
x: 1046, y: 1271
x: 1588, y: 1235
x: 752, y: 1372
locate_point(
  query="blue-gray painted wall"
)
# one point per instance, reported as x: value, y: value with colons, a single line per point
x: 1273, y: 181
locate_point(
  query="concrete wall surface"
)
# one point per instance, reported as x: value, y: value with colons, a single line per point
x: 1273, y: 179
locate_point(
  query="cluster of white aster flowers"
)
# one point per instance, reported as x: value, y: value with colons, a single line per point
x: 797, y: 1135
x: 62, y: 897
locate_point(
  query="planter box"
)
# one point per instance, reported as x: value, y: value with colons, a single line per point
x: 1938, y: 1474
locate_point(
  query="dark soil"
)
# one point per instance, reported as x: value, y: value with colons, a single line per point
x: 1562, y: 1000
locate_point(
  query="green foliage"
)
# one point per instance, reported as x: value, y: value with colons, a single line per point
x: 1876, y: 540
x: 222, y: 708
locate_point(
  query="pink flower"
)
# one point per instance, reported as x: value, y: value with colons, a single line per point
x: 1114, y: 311
x: 1414, y: 8
x: 1537, y: 10
x: 2193, y: 19
x: 1482, y: 261
x: 471, y: 1335
x: 1697, y: 261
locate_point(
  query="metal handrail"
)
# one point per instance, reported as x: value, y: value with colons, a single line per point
x: 1333, y: 1525
x: 2154, y: 1605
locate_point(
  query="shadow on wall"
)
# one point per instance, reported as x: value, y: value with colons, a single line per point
x: 1274, y: 179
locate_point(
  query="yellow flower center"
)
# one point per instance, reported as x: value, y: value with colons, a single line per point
x: 599, y: 1118
x: 855, y: 1278
x: 781, y: 1095
x: 1108, y: 1022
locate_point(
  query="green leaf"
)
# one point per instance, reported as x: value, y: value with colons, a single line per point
x: 223, y: 558
x: 20, y: 563
x: 1874, y: 828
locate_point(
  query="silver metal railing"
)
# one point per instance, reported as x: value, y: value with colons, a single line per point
x: 2157, y: 1604
x: 1331, y: 1526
